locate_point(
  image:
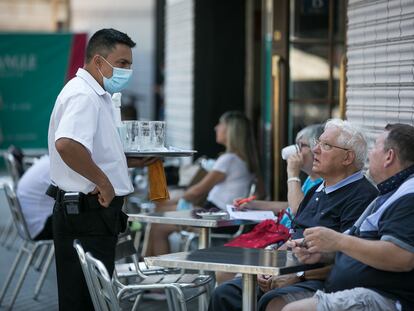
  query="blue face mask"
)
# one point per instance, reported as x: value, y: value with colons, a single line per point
x: 118, y: 81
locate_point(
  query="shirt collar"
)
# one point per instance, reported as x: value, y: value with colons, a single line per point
x: 395, y: 181
x: 350, y: 179
x: 85, y: 75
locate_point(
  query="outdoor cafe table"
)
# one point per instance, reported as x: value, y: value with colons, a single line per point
x: 185, y: 218
x: 247, y: 261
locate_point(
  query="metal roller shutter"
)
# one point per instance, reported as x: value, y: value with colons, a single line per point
x: 380, y: 71
x: 179, y: 64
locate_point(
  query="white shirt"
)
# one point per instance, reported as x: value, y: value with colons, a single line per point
x: 31, y: 192
x: 235, y: 185
x: 84, y: 112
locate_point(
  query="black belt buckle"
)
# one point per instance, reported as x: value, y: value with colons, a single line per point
x: 71, y: 202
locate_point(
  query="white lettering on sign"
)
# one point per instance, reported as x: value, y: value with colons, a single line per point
x: 18, y: 62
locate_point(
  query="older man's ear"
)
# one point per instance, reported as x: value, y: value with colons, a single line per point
x: 349, y: 158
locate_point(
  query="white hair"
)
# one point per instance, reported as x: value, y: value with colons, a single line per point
x: 350, y: 137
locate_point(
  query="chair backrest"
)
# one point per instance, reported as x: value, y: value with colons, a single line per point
x: 102, y: 284
x: 16, y: 212
x: 12, y: 167
x: 82, y: 258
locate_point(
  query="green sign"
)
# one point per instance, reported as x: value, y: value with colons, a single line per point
x: 33, y: 70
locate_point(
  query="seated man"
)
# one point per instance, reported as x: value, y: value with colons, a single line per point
x: 339, y: 156
x: 374, y: 262
x: 37, y: 207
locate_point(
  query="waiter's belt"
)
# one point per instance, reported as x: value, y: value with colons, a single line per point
x: 87, y: 201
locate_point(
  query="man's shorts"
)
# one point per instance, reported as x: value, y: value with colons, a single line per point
x: 357, y: 299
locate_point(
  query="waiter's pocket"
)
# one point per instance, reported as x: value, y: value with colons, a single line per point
x: 113, y: 217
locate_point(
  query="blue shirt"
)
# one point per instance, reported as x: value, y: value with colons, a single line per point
x: 336, y: 207
x: 307, y: 185
x: 394, y: 225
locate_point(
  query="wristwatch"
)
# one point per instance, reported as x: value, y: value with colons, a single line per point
x: 301, y: 275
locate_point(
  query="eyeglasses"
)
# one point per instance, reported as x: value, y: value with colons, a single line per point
x: 325, y: 146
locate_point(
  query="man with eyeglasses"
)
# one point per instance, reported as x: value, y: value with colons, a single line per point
x: 374, y: 260
x: 336, y: 203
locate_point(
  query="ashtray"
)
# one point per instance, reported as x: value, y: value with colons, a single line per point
x: 212, y: 215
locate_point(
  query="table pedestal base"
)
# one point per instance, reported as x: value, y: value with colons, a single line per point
x: 249, y: 292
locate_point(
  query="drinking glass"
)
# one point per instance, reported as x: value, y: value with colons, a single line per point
x: 157, y: 135
x: 131, y: 142
x: 144, y: 135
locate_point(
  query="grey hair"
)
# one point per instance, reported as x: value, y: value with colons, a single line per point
x: 309, y: 133
x: 350, y: 137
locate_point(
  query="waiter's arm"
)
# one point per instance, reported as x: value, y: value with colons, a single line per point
x: 140, y: 162
x: 77, y: 157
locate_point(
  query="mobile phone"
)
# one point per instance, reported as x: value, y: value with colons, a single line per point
x: 71, y: 202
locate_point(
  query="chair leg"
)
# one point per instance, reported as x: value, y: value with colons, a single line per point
x: 181, y: 300
x: 188, y: 241
x: 12, y: 238
x: 206, y: 297
x: 12, y: 271
x: 136, y: 302
x: 137, y: 238
x: 39, y: 257
x: 21, y: 278
x: 170, y: 300
x: 6, y: 231
x: 146, y: 239
x: 177, y: 299
x: 44, y: 271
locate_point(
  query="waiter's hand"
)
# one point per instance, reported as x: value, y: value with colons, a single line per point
x: 141, y: 162
x: 105, y: 193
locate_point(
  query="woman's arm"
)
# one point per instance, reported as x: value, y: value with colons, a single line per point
x: 274, y: 206
x: 204, y: 186
x: 294, y: 194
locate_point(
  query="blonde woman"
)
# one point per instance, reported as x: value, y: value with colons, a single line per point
x: 231, y: 176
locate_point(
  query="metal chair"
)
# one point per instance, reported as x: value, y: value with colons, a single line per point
x: 129, y: 284
x: 191, y: 285
x: 82, y: 258
x: 14, y: 164
x: 15, y: 170
x: 29, y: 247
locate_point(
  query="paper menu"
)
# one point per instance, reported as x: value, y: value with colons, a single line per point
x: 249, y: 214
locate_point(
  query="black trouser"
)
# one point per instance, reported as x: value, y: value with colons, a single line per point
x: 47, y: 231
x: 97, y: 230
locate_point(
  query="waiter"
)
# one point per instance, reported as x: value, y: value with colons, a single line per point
x: 88, y: 167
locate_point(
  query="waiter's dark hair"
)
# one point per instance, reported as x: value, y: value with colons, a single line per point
x: 401, y: 139
x: 103, y: 42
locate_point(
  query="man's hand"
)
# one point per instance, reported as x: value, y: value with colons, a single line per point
x: 306, y: 257
x: 321, y: 239
x: 105, y: 192
x: 264, y: 282
x: 284, y: 280
x: 299, y: 248
x: 141, y: 162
